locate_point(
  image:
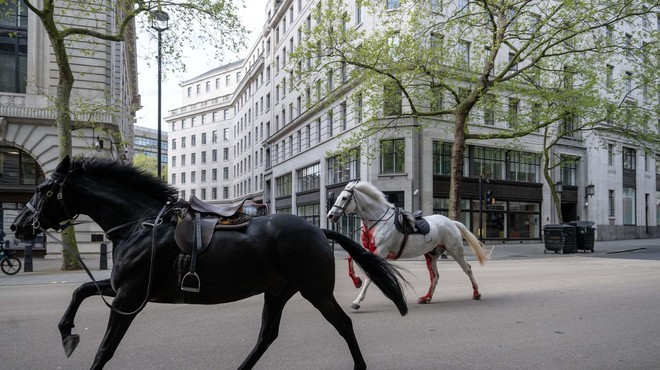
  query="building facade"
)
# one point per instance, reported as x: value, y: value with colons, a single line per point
x: 268, y: 141
x: 105, y: 75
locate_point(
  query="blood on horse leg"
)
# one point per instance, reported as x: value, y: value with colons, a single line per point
x: 351, y: 273
x: 433, y: 275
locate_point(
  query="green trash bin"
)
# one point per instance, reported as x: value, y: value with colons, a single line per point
x: 559, y: 238
x: 585, y: 234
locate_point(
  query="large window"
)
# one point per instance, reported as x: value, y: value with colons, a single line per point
x: 569, y: 170
x: 310, y: 213
x: 629, y: 206
x: 441, y: 158
x: 392, y: 105
x: 13, y: 46
x: 524, y: 167
x: 18, y: 168
x: 392, y: 155
x: 308, y: 178
x: 344, y: 168
x: 488, y: 162
x: 283, y: 186
x: 629, y: 160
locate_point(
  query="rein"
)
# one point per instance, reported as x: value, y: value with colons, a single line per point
x: 158, y: 221
x: 382, y: 218
x: 36, y: 225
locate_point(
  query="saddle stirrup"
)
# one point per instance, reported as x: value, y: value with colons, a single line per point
x: 190, y: 281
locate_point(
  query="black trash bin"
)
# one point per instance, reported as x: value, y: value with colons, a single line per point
x: 585, y: 233
x: 560, y: 238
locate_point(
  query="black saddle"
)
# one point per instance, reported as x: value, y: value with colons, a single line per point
x: 410, y: 223
x: 196, y: 222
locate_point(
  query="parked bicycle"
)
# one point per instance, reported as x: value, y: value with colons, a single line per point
x: 9, y: 264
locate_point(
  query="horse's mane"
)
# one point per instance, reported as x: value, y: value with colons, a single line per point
x: 127, y: 175
x: 370, y: 190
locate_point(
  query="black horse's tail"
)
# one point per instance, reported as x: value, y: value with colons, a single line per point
x: 382, y: 273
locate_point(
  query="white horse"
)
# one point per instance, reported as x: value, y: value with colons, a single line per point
x: 380, y: 235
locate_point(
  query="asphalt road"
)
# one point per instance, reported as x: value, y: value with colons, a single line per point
x: 584, y: 311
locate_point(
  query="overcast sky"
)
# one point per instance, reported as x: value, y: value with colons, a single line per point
x: 253, y: 17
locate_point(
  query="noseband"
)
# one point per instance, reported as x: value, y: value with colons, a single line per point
x: 58, y: 184
x: 351, y: 198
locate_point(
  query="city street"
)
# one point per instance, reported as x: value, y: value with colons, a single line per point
x: 576, y: 311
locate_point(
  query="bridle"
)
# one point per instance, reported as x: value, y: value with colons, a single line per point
x: 58, y: 185
x: 352, y: 198
x: 59, y: 180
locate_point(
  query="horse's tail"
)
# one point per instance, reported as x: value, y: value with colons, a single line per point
x: 477, y: 247
x: 382, y: 273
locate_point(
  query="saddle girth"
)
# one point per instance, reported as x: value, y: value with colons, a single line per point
x: 409, y: 223
x: 196, y: 222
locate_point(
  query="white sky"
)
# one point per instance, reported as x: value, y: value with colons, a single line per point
x: 253, y: 18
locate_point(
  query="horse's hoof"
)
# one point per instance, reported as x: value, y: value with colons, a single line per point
x: 70, y: 343
x: 358, y: 283
x: 355, y: 306
x: 424, y: 300
x: 476, y: 297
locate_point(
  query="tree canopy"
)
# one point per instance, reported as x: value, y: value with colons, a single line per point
x: 492, y: 69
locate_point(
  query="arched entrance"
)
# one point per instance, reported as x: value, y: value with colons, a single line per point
x: 19, y: 175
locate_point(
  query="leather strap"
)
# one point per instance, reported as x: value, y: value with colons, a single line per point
x: 403, y: 245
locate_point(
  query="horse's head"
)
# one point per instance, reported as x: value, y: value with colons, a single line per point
x: 46, y: 209
x: 345, y: 203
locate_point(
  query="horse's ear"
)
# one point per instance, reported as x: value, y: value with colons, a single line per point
x: 63, y: 167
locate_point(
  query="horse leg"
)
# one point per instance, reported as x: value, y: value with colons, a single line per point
x: 457, y: 254
x: 332, y: 312
x: 270, y: 325
x: 432, y: 266
x: 351, y: 273
x: 360, y: 297
x: 118, y: 324
x: 70, y: 341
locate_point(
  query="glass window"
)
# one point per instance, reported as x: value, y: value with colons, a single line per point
x: 442, y: 158
x: 524, y: 167
x: 629, y: 160
x: 344, y: 168
x: 392, y: 155
x: 283, y: 186
x: 392, y: 105
x: 629, y: 211
x: 488, y: 162
x: 309, y: 178
x: 13, y: 47
x: 569, y: 170
x: 310, y: 213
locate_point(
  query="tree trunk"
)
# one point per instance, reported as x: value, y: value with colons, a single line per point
x: 64, y: 129
x: 457, y: 164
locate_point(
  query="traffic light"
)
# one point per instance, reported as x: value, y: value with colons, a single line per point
x: 489, y: 197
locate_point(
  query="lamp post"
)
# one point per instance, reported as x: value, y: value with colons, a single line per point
x: 159, y: 22
x: 559, y: 188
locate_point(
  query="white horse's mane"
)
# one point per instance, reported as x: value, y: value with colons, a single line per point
x: 370, y: 190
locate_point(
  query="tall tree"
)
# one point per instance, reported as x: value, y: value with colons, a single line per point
x: 489, y: 69
x: 197, y: 24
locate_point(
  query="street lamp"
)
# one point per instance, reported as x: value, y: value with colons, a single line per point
x: 559, y: 187
x: 159, y: 22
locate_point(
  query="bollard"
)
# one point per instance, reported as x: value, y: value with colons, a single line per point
x: 27, y: 259
x: 103, y: 258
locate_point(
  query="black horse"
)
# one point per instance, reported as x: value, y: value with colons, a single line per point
x: 277, y: 255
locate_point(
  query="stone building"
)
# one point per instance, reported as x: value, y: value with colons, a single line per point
x: 244, y: 130
x: 106, y: 76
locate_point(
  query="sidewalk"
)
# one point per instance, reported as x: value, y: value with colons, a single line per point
x: 506, y: 250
